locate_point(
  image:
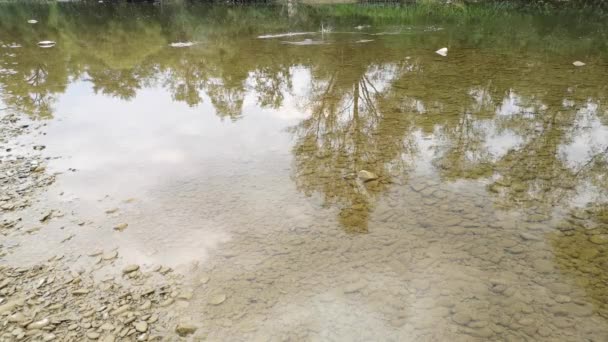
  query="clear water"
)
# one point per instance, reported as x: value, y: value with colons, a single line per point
x: 237, y: 157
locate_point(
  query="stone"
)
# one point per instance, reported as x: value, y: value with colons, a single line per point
x: 141, y: 326
x: 110, y: 256
x: 367, y: 176
x: 185, y: 295
x: 48, y: 337
x: 109, y: 338
x: 217, y: 299
x: 600, y: 239
x: 185, y: 329
x: 121, y: 310
x: 92, y: 335
x: 111, y: 211
x: 38, y: 324
x: 16, y: 317
x: 130, y: 268
x: 121, y: 227
x: 528, y: 237
x: 80, y: 292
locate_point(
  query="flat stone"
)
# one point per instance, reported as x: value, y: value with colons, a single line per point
x: 185, y: 329
x: 110, y: 256
x: 93, y: 335
x: 107, y: 326
x: 600, y: 239
x: 141, y: 326
x: 367, y: 176
x: 16, y: 317
x: 109, y: 338
x: 130, y: 268
x: 121, y: 310
x: 528, y: 237
x: 121, y: 227
x: 185, y: 295
x: 38, y: 324
x: 217, y: 299
x: 48, y: 337
x: 80, y: 292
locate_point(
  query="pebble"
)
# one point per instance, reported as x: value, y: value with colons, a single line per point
x: 110, y: 256
x: 217, y: 299
x: 80, y: 292
x: 367, y: 176
x: 185, y: 329
x: 600, y: 239
x: 185, y: 295
x: 528, y: 237
x: 109, y: 338
x: 141, y: 326
x: 130, y: 268
x: 92, y: 335
x: 121, y: 227
x: 39, y: 324
x: 16, y: 317
x: 107, y: 326
x: 48, y: 337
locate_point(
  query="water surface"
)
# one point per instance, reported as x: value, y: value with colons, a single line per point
x: 237, y: 158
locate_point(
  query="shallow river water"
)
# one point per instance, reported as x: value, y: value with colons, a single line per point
x: 235, y: 161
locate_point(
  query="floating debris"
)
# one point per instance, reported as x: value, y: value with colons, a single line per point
x: 385, y: 33
x: 364, y: 41
x: 282, y: 35
x: 32, y: 21
x: 361, y: 27
x: 305, y: 42
x: 46, y: 44
x: 578, y: 64
x: 181, y: 44
x: 442, y: 52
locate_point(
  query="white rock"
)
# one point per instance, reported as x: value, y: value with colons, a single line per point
x: 578, y: 64
x: 443, y: 51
